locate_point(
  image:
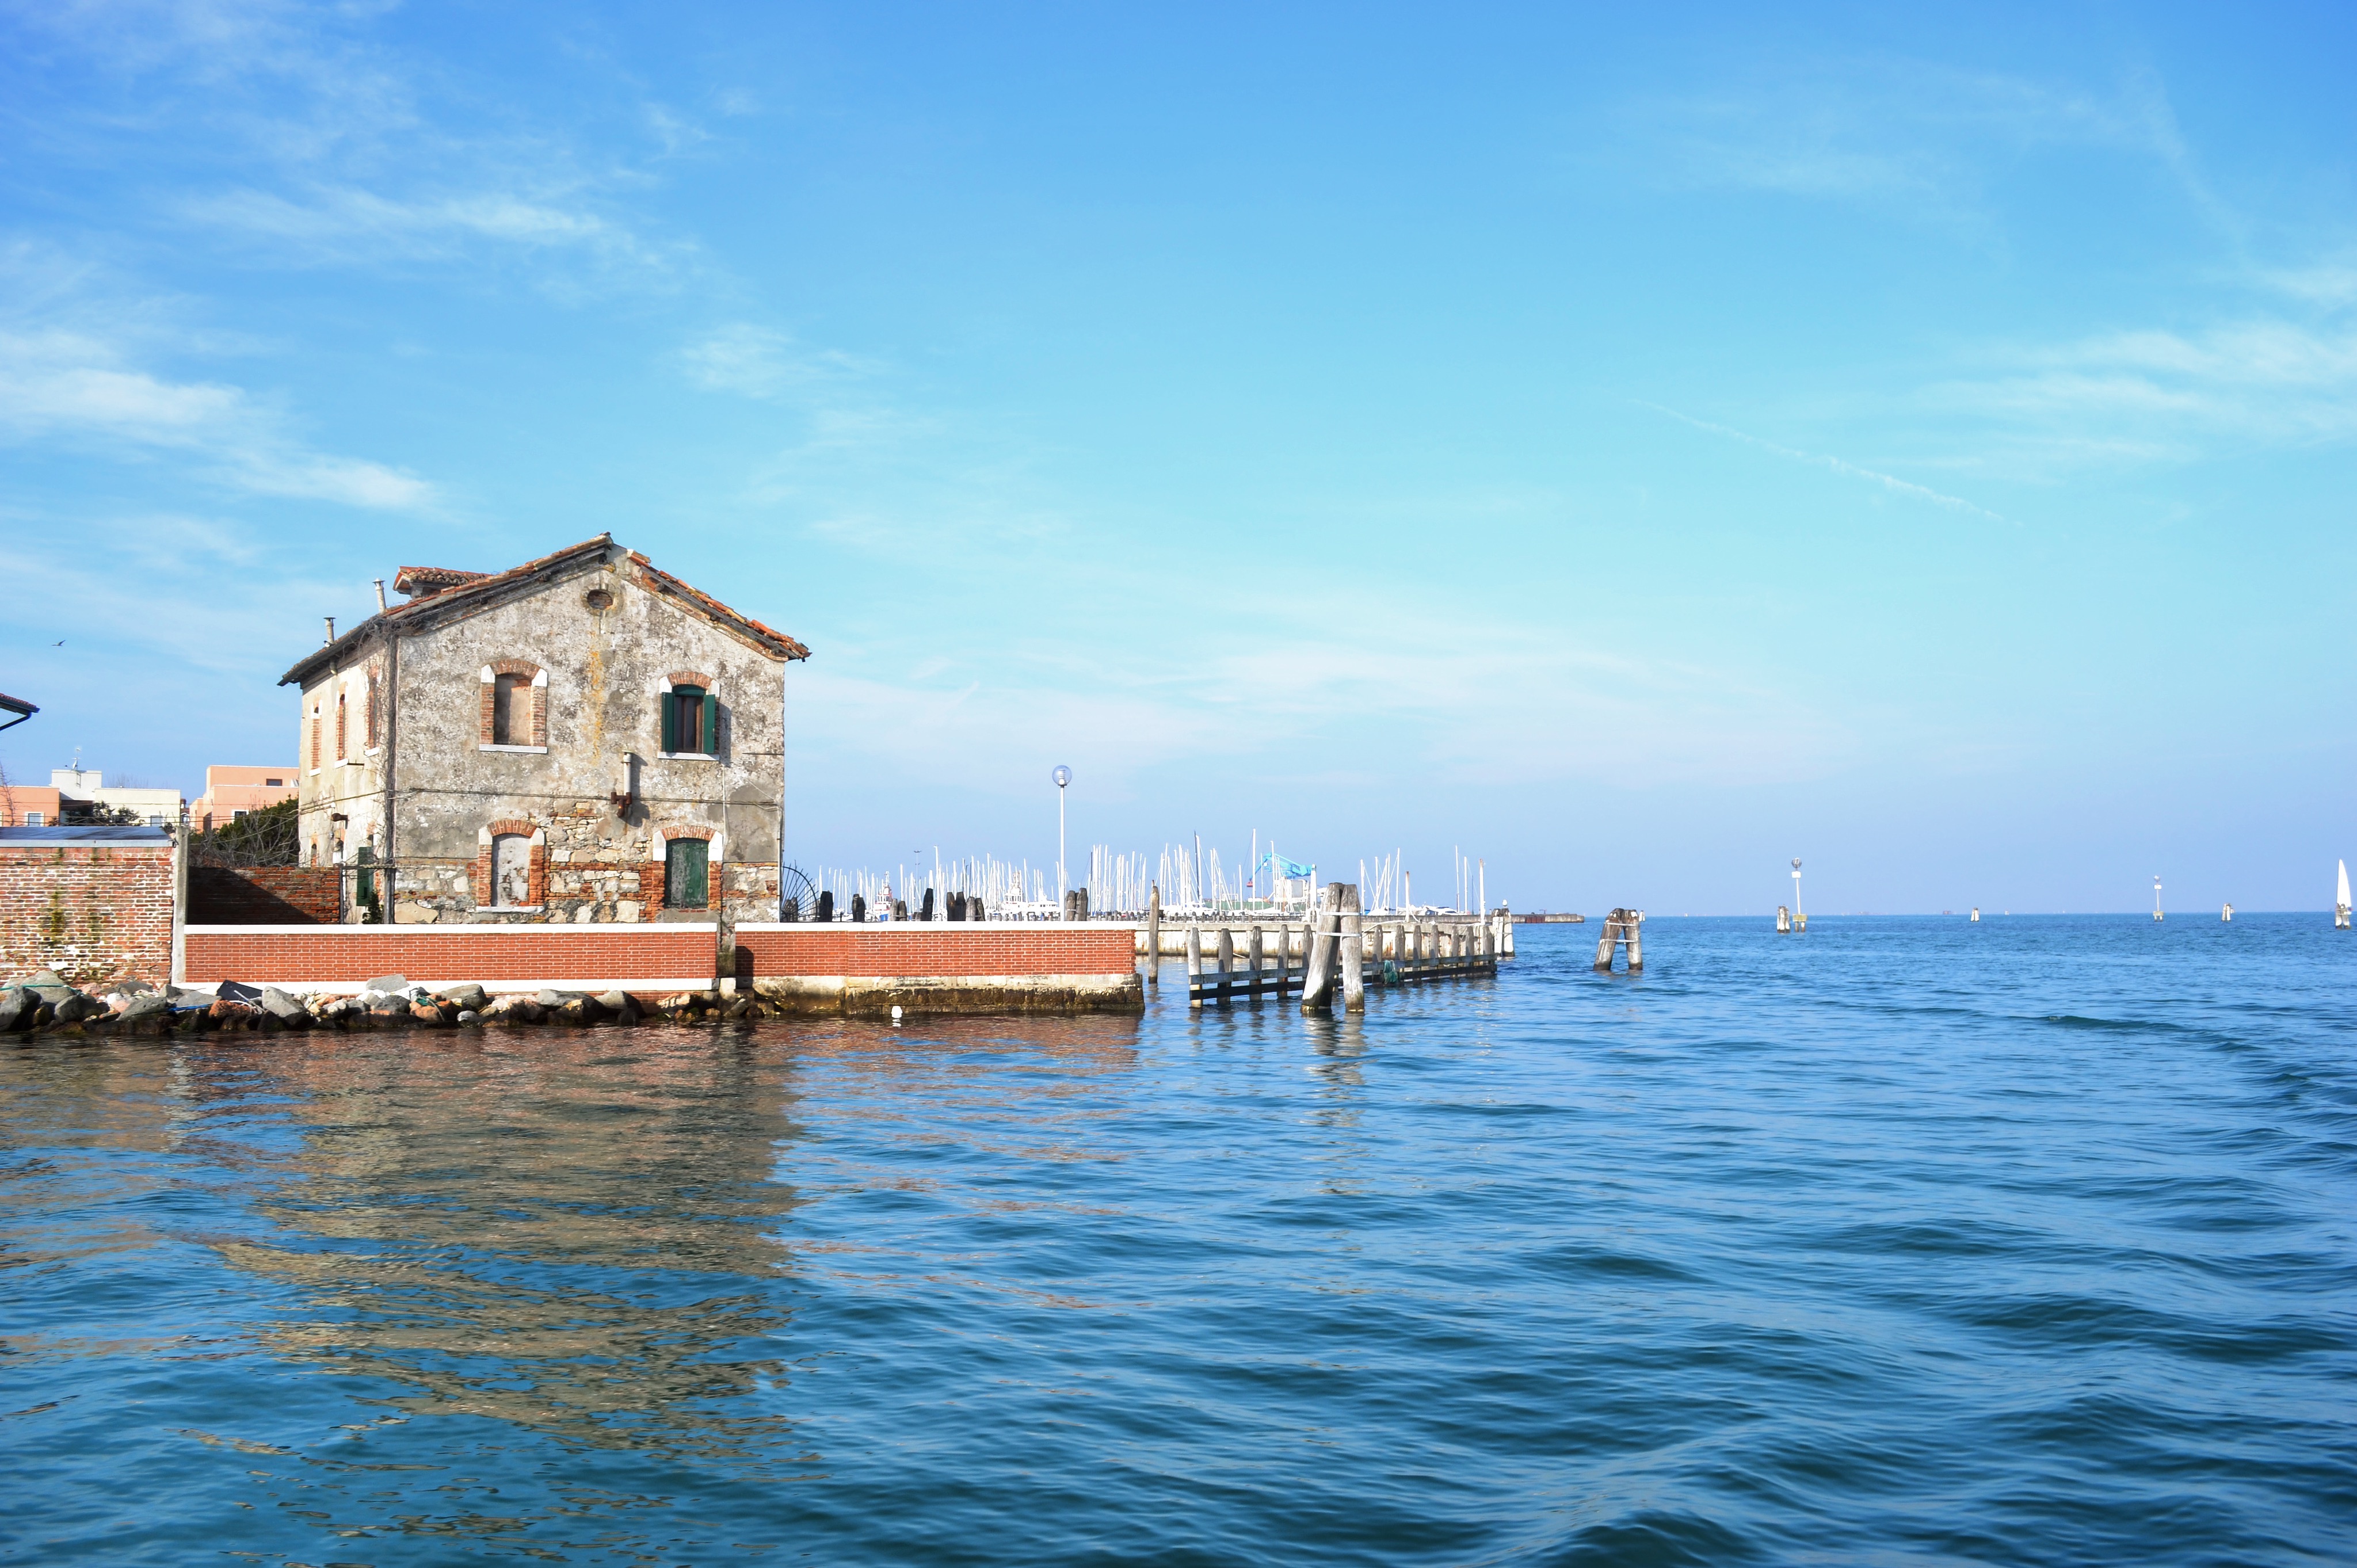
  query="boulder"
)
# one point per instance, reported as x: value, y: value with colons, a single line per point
x: 468, y: 1016
x: 469, y: 997
x: 427, y: 1014
x: 45, y: 980
x: 283, y: 1008
x: 17, y: 1006
x: 387, y: 985
x: 238, y: 991
x: 147, y: 1013
x: 76, y: 1006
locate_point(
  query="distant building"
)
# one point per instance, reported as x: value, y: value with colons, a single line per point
x: 29, y: 806
x: 582, y: 738
x: 231, y: 792
x: 82, y: 791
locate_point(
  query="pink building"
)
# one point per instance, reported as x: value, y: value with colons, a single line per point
x: 231, y: 792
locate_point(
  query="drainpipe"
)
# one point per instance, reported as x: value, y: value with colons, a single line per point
x: 392, y: 751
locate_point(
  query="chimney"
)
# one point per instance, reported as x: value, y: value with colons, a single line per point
x: 380, y: 596
x: 331, y: 629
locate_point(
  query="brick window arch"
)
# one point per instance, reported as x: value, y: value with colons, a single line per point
x: 514, y: 703
x: 688, y: 713
x: 510, y: 833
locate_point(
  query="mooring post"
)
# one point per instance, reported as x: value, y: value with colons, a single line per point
x: 1227, y: 964
x: 1154, y: 935
x: 1354, y: 953
x: 1194, y: 966
x: 1489, y: 947
x: 1635, y: 926
x: 1317, y: 979
x: 1604, y: 943
x: 1253, y: 958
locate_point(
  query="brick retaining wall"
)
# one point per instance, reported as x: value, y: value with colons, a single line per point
x: 502, y: 958
x: 931, y: 948
x: 265, y: 895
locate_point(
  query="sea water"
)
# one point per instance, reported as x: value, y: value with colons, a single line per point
x: 2027, y: 1241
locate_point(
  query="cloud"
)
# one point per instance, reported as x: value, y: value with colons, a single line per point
x: 762, y: 362
x: 1889, y: 482
x: 61, y: 385
x: 2153, y: 393
x: 1919, y: 137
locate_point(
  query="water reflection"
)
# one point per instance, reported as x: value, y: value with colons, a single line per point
x: 577, y: 1233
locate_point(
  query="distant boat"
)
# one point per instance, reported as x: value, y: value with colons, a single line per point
x: 2340, y: 904
x: 2227, y: 913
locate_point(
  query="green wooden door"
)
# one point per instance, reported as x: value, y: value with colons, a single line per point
x: 686, y: 875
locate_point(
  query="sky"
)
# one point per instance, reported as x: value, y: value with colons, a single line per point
x: 1636, y: 446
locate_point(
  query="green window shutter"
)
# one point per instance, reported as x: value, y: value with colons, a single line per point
x: 711, y: 725
x: 687, y: 883
x: 667, y: 705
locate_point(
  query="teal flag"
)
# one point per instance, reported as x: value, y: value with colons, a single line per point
x: 1289, y: 867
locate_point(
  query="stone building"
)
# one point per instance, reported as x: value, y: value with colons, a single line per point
x: 581, y: 739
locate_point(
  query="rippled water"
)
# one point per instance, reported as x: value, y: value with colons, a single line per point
x: 1905, y: 1239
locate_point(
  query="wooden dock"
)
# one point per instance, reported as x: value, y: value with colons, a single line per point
x: 1340, y: 950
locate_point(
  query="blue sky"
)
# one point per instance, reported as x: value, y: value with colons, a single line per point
x: 1636, y: 449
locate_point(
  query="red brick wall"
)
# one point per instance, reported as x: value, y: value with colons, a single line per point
x: 265, y: 895
x: 937, y: 948
x: 91, y: 912
x: 446, y: 955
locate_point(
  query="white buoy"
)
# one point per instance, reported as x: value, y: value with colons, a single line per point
x: 896, y: 1017
x: 1976, y: 913
x: 2228, y: 913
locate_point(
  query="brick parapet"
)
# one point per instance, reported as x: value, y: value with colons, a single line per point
x: 935, y: 948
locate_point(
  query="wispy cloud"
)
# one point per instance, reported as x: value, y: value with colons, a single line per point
x: 763, y: 362
x: 2153, y: 393
x: 1889, y: 482
x: 1912, y: 134
x: 58, y: 385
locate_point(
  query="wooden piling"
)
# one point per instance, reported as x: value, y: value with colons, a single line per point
x: 1227, y: 964
x: 1154, y: 936
x: 1354, y: 958
x: 1194, y: 966
x: 1604, y: 943
x: 1318, y: 976
x: 1635, y: 928
x: 1253, y: 958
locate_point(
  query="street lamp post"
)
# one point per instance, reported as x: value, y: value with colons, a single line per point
x: 1799, y: 919
x: 1062, y: 776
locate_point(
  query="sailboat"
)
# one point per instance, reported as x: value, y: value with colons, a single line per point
x: 2340, y: 903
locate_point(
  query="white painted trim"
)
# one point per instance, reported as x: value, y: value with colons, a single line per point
x: 688, y: 756
x: 534, y: 749
x: 541, y: 679
x: 663, y: 685
x: 437, y: 928
x: 488, y: 676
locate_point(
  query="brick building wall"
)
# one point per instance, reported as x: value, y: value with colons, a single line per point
x: 265, y: 895
x: 89, y: 911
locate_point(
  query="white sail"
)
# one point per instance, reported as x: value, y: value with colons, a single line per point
x: 2342, y: 901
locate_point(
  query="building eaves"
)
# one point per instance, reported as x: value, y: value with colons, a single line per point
x: 768, y: 639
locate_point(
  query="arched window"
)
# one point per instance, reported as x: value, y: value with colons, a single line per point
x: 515, y: 705
x: 343, y: 750
x: 689, y: 714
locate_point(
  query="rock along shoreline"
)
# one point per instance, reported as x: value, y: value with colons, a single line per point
x: 43, y: 1003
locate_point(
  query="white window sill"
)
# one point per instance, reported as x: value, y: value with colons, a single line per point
x: 685, y: 757
x: 512, y: 908
x: 527, y: 748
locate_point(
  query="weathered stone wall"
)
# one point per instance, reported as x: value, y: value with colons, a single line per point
x: 90, y: 912
x: 591, y: 728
